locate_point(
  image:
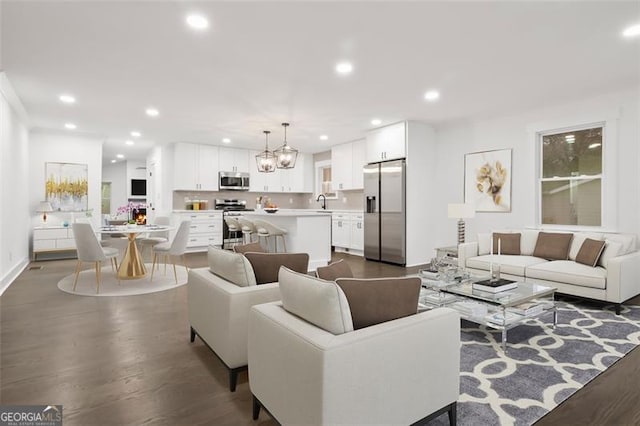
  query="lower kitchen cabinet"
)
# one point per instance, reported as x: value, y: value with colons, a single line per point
x: 205, y: 229
x: 347, y: 232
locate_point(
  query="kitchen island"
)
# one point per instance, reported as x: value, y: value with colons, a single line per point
x: 308, y: 231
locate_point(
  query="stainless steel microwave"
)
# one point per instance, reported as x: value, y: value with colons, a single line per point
x: 234, y: 181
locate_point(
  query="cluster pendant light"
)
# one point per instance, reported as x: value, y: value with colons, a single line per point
x: 285, y: 155
x: 266, y: 160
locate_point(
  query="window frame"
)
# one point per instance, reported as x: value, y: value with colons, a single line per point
x: 608, y: 176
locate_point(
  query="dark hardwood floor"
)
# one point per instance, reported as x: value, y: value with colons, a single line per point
x: 128, y: 360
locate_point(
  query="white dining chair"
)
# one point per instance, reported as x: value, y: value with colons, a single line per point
x: 173, y: 249
x: 152, y: 239
x: 89, y: 250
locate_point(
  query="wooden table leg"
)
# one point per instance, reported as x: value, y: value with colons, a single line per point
x: 132, y: 265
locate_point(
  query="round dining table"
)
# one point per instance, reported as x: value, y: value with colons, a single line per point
x: 132, y: 265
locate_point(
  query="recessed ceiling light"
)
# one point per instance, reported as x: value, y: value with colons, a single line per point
x: 197, y: 22
x: 113, y: 161
x: 67, y: 99
x: 226, y: 140
x: 129, y: 142
x: 376, y: 122
x: 70, y: 126
x: 344, y: 68
x: 324, y: 137
x: 136, y: 134
x: 432, y: 95
x: 152, y: 112
x: 120, y: 156
x: 632, y: 31
x: 594, y: 145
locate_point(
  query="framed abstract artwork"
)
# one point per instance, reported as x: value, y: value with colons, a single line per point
x: 487, y: 180
x: 66, y: 186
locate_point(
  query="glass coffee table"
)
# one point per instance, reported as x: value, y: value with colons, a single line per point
x: 501, y: 311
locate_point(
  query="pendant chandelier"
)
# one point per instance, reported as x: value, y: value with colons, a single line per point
x: 285, y: 155
x: 266, y: 160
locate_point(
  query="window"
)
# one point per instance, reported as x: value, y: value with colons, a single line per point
x: 323, y: 180
x: 571, y: 177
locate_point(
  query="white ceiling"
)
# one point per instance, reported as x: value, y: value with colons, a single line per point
x: 262, y: 63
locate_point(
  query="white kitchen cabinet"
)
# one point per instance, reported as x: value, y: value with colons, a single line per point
x: 357, y: 231
x: 386, y: 143
x: 52, y: 239
x: 233, y: 160
x: 341, y: 232
x: 347, y: 160
x: 195, y: 167
x: 263, y: 182
x: 205, y: 228
x: 358, y: 160
x: 341, y: 167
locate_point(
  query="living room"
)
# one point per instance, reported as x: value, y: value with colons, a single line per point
x: 519, y: 70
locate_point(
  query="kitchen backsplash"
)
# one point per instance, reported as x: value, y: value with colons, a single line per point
x: 351, y: 200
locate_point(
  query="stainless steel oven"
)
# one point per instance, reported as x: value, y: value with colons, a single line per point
x: 234, y: 181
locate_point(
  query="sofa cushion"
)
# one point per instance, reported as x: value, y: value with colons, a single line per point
x: 251, y: 247
x: 528, y: 241
x: 627, y: 242
x: 377, y: 300
x: 578, y: 239
x: 320, y: 302
x: 233, y: 267
x: 553, y: 245
x: 569, y: 272
x: 509, y: 264
x: 590, y: 252
x: 611, y: 249
x: 509, y: 243
x: 335, y: 270
x: 267, y: 265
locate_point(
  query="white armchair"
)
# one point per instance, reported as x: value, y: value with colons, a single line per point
x: 396, y: 372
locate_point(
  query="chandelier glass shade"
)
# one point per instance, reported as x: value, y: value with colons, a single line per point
x: 285, y: 155
x: 266, y: 160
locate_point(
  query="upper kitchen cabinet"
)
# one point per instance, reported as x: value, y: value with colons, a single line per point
x: 347, y: 160
x: 195, y: 167
x: 386, y: 143
x: 233, y: 160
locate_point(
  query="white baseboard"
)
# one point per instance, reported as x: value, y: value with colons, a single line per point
x: 13, y: 274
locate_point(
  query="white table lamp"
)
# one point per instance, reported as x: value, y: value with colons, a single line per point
x: 44, y: 207
x: 461, y: 212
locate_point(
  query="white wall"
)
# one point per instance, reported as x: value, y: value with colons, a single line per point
x: 14, y: 186
x: 514, y: 131
x: 64, y: 147
x: 116, y: 174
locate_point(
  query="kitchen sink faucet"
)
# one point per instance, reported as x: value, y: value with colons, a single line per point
x: 324, y: 201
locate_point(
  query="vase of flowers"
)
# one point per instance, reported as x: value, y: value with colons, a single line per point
x: 129, y: 211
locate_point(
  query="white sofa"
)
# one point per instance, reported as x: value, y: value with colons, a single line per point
x: 615, y: 279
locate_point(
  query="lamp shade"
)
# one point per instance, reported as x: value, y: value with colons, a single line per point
x: 44, y: 207
x: 461, y: 211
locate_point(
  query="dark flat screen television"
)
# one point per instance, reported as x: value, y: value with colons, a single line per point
x: 138, y: 187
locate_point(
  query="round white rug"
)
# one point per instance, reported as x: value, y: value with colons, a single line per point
x: 109, y: 286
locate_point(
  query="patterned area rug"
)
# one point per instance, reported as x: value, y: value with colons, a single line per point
x: 542, y: 366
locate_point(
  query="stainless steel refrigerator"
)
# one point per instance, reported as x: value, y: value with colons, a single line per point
x: 384, y: 212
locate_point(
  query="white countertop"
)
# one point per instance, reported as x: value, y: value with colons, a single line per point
x: 287, y: 212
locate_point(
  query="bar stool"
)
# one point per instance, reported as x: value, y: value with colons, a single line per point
x: 266, y: 229
x: 234, y: 228
x: 248, y: 229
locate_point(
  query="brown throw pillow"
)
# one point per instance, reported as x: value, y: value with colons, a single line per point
x: 267, y: 265
x: 509, y: 243
x: 335, y: 270
x: 553, y: 245
x: 590, y: 252
x: 251, y: 247
x: 373, y: 301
